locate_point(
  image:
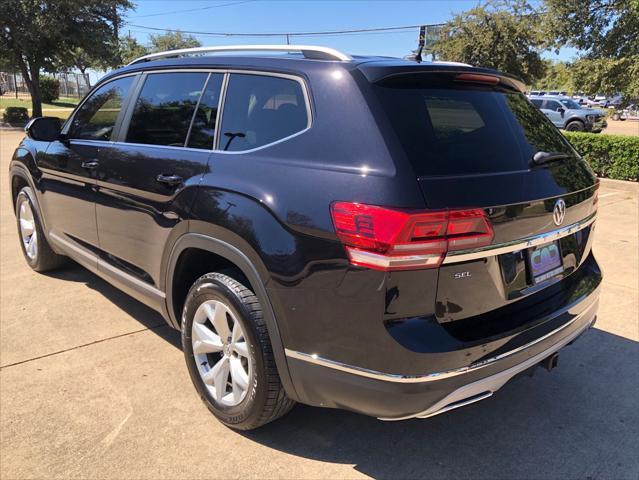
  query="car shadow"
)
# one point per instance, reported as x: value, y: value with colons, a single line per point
x: 578, y: 421
x: 148, y: 317
x: 581, y: 420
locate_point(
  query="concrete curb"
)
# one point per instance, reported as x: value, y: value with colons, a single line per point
x: 624, y: 185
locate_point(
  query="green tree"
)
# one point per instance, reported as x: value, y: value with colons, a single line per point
x: 173, y: 41
x: 38, y: 35
x: 607, y: 34
x: 501, y: 34
x: 130, y: 49
x: 557, y: 76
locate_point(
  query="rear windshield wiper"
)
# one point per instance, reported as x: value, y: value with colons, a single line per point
x: 545, y: 157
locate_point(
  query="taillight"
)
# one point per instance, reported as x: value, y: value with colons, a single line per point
x: 394, y: 239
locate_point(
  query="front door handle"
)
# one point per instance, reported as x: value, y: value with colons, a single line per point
x: 90, y: 164
x: 169, y: 179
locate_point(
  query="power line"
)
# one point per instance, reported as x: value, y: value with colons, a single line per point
x: 290, y: 34
x: 193, y: 9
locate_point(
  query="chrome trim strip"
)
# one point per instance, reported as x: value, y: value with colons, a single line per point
x: 101, y: 263
x: 131, y: 279
x: 389, y: 377
x: 244, y: 48
x: 519, y: 244
x: 486, y: 387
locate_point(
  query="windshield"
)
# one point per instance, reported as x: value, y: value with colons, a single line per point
x: 570, y: 103
x: 457, y: 131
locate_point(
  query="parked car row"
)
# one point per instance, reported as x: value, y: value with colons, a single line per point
x: 598, y: 100
x: 566, y: 113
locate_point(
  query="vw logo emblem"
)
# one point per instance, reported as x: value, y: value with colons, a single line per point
x: 559, y: 212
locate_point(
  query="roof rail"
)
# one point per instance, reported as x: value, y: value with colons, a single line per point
x: 309, y: 51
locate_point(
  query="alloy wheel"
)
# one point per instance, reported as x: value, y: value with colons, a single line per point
x: 28, y: 233
x: 221, y: 352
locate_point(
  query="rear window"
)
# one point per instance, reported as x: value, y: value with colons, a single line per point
x: 458, y: 131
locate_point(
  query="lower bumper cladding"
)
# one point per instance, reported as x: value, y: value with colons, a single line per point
x: 456, y: 388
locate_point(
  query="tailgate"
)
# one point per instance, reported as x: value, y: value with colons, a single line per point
x: 474, y: 142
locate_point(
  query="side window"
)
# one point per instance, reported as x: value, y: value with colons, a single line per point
x: 165, y: 107
x: 205, y: 118
x: 552, y: 105
x: 537, y: 103
x: 96, y: 118
x: 259, y: 110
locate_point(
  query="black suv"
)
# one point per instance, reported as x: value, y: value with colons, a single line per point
x: 392, y: 238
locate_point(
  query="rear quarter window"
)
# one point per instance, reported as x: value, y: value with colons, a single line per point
x: 260, y: 110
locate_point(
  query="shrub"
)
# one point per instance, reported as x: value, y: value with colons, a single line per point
x: 49, y: 89
x: 610, y: 156
x: 13, y: 115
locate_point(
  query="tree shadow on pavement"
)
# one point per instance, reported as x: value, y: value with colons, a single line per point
x: 579, y: 421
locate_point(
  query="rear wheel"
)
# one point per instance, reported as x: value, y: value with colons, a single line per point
x: 575, y: 126
x: 37, y: 251
x: 228, y: 353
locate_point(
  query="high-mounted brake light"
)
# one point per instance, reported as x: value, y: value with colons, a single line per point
x: 394, y: 239
x: 477, y: 78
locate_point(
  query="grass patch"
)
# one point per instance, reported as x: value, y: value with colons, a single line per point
x: 62, y: 102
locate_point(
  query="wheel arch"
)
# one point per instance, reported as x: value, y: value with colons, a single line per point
x: 252, y: 270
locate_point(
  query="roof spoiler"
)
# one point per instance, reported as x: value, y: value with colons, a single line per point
x: 463, y: 73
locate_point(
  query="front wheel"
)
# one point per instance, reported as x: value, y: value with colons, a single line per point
x: 228, y: 353
x: 35, y: 247
x: 575, y: 126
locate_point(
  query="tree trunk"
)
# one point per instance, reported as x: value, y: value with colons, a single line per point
x: 36, y: 95
x: 33, y: 84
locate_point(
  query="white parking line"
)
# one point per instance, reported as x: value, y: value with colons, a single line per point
x: 607, y: 195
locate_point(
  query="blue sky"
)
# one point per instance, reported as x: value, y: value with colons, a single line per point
x: 301, y: 16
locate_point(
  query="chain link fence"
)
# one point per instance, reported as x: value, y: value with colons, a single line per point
x: 71, y: 85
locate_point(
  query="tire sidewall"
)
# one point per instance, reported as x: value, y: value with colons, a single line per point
x: 250, y: 407
x: 25, y: 195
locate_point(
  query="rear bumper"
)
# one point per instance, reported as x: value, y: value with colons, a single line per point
x: 323, y: 382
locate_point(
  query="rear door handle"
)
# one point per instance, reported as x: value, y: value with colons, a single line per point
x: 90, y: 164
x: 169, y: 179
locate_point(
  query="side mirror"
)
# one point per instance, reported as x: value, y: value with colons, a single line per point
x: 44, y: 129
x: 561, y: 110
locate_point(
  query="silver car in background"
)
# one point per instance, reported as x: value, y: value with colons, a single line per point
x: 565, y: 113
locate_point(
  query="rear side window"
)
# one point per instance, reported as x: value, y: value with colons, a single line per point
x: 466, y: 130
x: 96, y: 117
x: 552, y: 105
x: 165, y: 108
x: 537, y: 103
x: 259, y: 110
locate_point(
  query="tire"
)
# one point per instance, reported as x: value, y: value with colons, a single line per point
x: 263, y: 398
x: 35, y: 247
x: 575, y: 126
